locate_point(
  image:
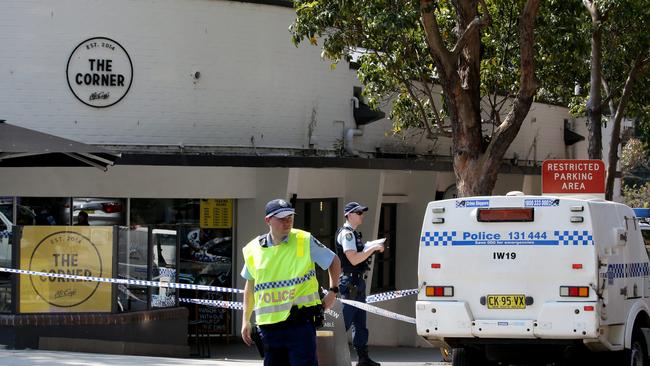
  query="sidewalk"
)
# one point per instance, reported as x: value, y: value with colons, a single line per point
x: 234, y: 354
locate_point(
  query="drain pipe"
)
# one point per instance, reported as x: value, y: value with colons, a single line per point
x: 348, y: 143
x: 348, y: 135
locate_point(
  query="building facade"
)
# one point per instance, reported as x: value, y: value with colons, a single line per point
x: 208, y: 100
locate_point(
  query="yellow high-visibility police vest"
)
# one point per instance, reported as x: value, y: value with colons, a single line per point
x: 284, y: 276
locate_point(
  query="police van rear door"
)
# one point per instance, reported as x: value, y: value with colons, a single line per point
x: 506, y: 256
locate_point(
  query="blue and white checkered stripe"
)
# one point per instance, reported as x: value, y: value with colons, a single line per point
x: 390, y: 295
x: 5, y: 234
x: 235, y: 305
x: 285, y: 283
x: 623, y: 270
x: 574, y: 237
x: 125, y: 281
x: 438, y: 238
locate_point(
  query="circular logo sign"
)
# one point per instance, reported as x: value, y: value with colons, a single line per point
x: 99, y: 72
x: 65, y: 252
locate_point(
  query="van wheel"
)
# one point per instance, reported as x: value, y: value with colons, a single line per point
x: 637, y: 355
x: 460, y: 357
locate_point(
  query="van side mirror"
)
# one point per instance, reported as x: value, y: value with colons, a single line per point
x: 620, y: 236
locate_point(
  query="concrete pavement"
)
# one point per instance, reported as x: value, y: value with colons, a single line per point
x: 234, y: 354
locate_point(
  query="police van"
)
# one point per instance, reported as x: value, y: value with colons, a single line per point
x: 534, y: 278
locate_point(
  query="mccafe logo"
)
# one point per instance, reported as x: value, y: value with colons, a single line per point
x: 65, y: 252
x: 99, y: 72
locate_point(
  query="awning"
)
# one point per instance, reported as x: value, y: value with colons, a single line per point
x: 23, y: 147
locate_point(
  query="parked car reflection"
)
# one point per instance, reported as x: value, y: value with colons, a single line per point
x: 101, y: 211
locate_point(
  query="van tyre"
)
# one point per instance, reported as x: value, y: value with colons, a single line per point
x: 460, y: 357
x: 637, y: 355
x: 468, y: 356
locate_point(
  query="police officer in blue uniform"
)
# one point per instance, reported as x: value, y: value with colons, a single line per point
x: 355, y: 262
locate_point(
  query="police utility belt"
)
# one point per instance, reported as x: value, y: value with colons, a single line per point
x: 355, y: 274
x: 298, y: 316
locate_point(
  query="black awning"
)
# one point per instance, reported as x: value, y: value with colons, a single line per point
x: 24, y: 147
x: 363, y: 114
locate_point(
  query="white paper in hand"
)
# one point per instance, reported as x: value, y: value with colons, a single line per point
x: 371, y: 245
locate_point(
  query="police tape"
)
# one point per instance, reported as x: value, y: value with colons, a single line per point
x: 124, y: 281
x: 235, y: 305
x: 390, y: 295
x: 378, y: 311
x: 222, y: 303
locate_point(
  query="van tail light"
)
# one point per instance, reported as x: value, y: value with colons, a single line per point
x: 435, y: 265
x: 574, y: 291
x: 111, y: 207
x: 576, y: 266
x: 439, y: 291
x: 589, y: 308
x: 505, y: 215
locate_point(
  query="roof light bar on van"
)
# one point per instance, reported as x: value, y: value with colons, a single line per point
x: 439, y: 291
x: 574, y: 291
x: 506, y: 214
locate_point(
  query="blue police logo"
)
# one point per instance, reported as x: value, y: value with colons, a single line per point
x: 348, y: 236
x: 283, y: 203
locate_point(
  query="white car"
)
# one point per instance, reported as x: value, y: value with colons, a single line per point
x: 101, y: 211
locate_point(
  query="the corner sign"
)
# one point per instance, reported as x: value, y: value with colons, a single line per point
x: 99, y: 72
x: 573, y: 176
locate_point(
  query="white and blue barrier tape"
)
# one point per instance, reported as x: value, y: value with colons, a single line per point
x: 124, y: 281
x: 235, y: 305
x: 390, y: 295
x: 378, y: 311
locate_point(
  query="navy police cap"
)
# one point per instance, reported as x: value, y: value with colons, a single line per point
x: 279, y: 208
x: 353, y: 207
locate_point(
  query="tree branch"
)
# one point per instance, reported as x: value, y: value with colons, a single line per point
x: 507, y: 131
x: 475, y: 24
x: 434, y: 39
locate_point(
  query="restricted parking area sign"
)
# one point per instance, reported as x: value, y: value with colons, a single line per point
x: 573, y: 176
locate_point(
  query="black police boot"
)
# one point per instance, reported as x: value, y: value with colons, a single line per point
x: 364, y: 359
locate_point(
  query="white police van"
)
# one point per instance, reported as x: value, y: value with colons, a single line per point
x: 534, y: 278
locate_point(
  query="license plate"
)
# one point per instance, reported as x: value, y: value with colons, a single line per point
x: 506, y: 301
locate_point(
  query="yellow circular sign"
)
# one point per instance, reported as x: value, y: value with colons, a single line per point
x: 70, y: 253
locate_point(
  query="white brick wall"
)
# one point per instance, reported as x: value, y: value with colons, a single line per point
x: 255, y: 86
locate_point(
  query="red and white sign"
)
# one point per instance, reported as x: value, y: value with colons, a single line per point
x: 573, y: 176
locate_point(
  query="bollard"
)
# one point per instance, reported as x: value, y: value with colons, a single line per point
x: 331, y: 340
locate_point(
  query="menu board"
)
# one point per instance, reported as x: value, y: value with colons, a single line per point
x: 216, y: 213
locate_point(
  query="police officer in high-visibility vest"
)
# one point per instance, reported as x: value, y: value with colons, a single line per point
x: 352, y: 285
x: 282, y: 288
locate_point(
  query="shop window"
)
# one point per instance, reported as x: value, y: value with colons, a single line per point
x: 43, y: 211
x: 318, y: 216
x: 383, y: 275
x: 202, y: 229
x: 99, y: 211
x: 6, y: 241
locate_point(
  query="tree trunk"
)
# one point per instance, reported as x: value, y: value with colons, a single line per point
x: 459, y: 71
x: 594, y: 107
x: 616, y: 130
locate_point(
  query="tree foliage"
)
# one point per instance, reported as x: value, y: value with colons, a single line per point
x: 619, y: 83
x: 480, y: 52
